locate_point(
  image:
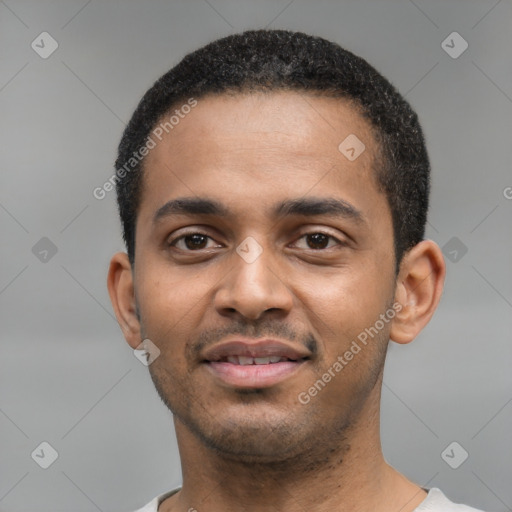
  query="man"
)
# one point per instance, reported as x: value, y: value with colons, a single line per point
x: 273, y: 190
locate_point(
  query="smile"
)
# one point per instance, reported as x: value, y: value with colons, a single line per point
x: 244, y: 360
x: 258, y: 372
x: 249, y: 363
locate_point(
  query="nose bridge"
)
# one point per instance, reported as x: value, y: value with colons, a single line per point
x: 252, y: 285
x: 253, y: 265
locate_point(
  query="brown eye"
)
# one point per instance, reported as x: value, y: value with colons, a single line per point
x: 317, y: 240
x: 195, y: 241
x: 191, y: 242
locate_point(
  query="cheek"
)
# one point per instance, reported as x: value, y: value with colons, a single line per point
x: 343, y: 303
x: 171, y: 307
x: 352, y: 351
x: 167, y: 293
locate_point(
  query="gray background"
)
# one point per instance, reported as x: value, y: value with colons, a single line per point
x: 66, y: 374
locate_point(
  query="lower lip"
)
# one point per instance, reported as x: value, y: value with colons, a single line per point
x: 253, y: 375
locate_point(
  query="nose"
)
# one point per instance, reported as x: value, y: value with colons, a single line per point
x: 253, y: 287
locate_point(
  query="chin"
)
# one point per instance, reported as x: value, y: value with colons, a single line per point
x: 265, y: 446
x: 276, y: 447
x: 262, y: 435
x: 254, y: 429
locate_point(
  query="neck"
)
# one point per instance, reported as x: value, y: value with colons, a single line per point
x: 349, y: 475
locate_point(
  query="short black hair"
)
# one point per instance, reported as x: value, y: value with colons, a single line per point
x: 268, y: 60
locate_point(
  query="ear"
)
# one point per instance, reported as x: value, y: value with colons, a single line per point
x: 418, y: 290
x: 122, y: 295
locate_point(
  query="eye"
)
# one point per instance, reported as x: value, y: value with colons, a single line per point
x: 192, y: 242
x: 318, y: 241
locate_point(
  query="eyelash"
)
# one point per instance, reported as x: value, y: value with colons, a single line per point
x: 340, y: 243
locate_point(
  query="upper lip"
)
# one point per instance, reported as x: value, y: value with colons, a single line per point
x: 255, y: 348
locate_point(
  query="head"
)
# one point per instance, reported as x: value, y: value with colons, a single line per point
x: 249, y: 215
x: 277, y: 60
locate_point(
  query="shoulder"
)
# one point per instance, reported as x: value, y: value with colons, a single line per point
x: 436, y: 501
x: 152, y: 506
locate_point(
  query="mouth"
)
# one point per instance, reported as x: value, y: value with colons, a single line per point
x: 245, y: 360
x: 261, y: 364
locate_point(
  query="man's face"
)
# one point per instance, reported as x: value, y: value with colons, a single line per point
x: 311, y: 280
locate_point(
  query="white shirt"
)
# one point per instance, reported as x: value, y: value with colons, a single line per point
x: 435, y: 501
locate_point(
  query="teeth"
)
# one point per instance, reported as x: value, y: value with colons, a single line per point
x: 262, y: 360
x: 244, y: 361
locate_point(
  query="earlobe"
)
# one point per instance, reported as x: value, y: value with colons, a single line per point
x: 418, y: 291
x: 122, y: 295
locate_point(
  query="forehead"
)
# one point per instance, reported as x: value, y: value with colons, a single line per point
x: 305, y: 124
x: 256, y: 147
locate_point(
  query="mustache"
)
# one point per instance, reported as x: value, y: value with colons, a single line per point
x: 266, y: 329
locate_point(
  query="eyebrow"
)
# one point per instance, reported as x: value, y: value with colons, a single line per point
x: 190, y: 206
x: 311, y: 206
x: 306, y: 206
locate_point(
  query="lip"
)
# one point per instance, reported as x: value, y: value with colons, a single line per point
x: 254, y: 375
x: 255, y: 348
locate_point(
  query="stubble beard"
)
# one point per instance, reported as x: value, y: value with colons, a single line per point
x: 301, y: 440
